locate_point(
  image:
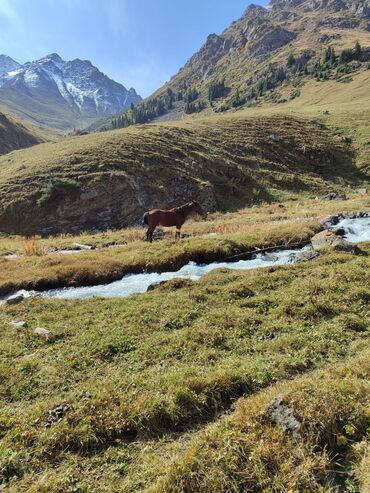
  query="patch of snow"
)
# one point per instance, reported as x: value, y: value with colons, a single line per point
x: 14, y: 72
x: 31, y: 78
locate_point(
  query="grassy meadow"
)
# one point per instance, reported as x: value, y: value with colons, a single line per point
x: 144, y: 381
x: 168, y: 391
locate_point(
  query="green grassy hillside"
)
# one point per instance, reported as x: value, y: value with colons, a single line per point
x: 108, y: 180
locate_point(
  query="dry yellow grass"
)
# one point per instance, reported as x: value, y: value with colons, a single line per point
x: 120, y: 252
x: 32, y: 246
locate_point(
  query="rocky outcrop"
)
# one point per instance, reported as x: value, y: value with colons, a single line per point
x: 103, y: 203
x: 206, y: 59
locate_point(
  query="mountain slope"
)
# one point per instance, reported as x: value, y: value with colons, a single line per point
x: 61, y: 94
x: 14, y: 135
x: 284, y: 45
x: 107, y: 180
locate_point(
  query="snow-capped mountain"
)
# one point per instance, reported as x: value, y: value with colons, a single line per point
x: 7, y: 64
x: 69, y: 86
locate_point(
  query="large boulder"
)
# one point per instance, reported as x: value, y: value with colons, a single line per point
x: 327, y: 240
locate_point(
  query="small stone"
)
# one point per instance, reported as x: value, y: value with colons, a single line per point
x: 282, y: 415
x: 276, y: 138
x: 270, y: 257
x: 57, y: 414
x: 331, y: 221
x: 18, y: 324
x: 334, y: 196
x: 340, y: 232
x: 362, y: 191
x: 15, y: 299
x: 43, y: 333
x: 155, y: 286
x: 91, y: 194
x: 80, y: 246
x: 306, y: 254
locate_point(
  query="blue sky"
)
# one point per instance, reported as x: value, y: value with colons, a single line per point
x: 140, y: 43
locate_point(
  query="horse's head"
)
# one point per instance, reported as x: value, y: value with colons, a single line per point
x: 196, y: 207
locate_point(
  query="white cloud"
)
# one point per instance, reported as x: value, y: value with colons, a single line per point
x: 116, y: 16
x: 7, y: 11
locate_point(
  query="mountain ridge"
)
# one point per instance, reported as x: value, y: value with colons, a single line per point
x: 264, y: 50
x: 76, y: 89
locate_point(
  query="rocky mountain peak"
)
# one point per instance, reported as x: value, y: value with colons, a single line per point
x: 54, y: 57
x: 254, y: 10
x: 7, y: 64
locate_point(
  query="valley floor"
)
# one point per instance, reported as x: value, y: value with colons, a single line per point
x: 169, y: 391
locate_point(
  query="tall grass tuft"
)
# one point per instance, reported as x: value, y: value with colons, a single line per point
x: 32, y: 246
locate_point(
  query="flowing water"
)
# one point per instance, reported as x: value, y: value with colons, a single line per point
x: 357, y: 230
x: 139, y: 283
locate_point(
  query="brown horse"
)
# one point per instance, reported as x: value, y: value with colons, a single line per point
x: 168, y: 218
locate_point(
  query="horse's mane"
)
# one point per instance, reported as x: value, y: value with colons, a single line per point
x: 182, y: 207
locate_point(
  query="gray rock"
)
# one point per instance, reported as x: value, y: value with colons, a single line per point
x: 15, y: 299
x: 307, y: 253
x: 21, y: 324
x: 282, y: 415
x: 57, y: 414
x: 43, y: 333
x: 91, y: 194
x: 334, y: 196
x: 269, y: 256
x: 327, y: 240
x: 10, y: 256
x: 276, y: 138
x: 80, y: 246
x: 362, y: 191
x: 332, y: 221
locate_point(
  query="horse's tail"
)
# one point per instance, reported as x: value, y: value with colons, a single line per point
x: 146, y: 218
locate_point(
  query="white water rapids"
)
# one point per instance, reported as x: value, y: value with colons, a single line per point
x: 139, y: 283
x: 357, y: 230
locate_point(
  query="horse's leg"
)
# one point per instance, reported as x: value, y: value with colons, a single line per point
x: 178, y: 234
x: 151, y: 231
x: 148, y: 234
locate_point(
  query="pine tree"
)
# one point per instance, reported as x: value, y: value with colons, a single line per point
x: 291, y: 60
x: 327, y: 54
x: 333, y: 57
x: 357, y: 49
